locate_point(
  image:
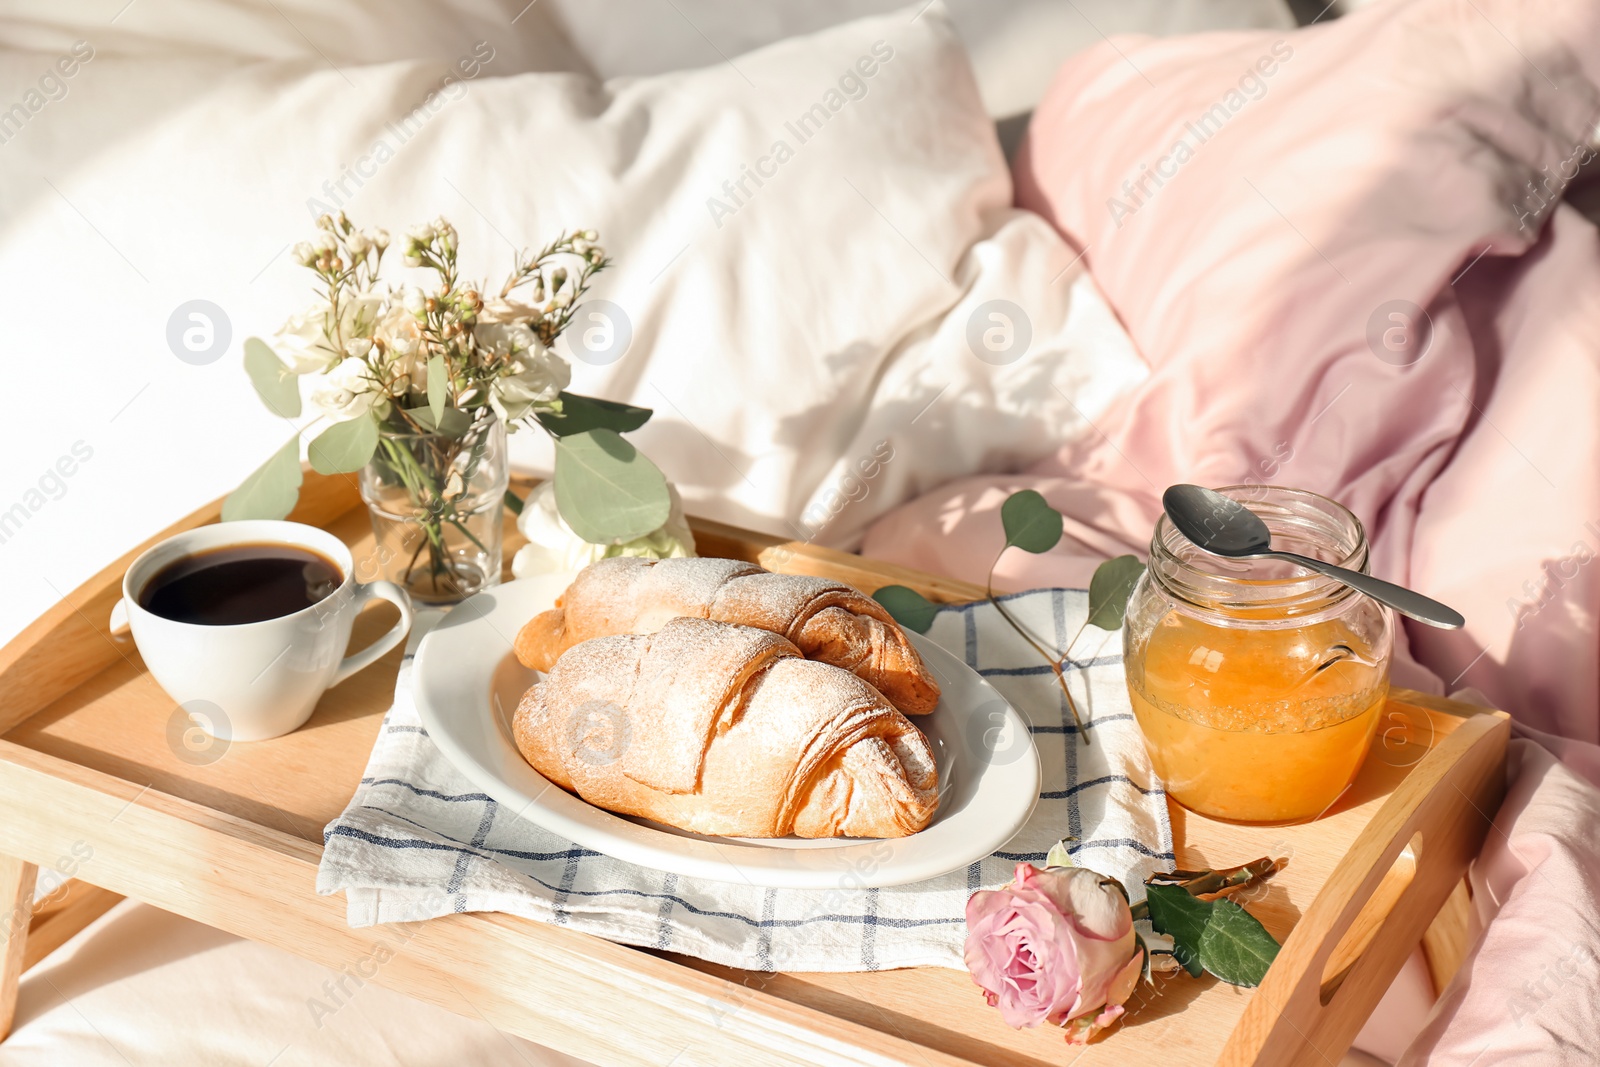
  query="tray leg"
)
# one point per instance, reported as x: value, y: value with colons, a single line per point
x: 16, y: 912
x: 62, y: 915
x: 1446, y: 941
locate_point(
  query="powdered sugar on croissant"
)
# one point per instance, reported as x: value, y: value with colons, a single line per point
x: 827, y: 620
x: 726, y: 730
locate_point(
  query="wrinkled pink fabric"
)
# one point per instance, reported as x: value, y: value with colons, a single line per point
x: 1407, y: 152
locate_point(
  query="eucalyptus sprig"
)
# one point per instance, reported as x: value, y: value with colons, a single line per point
x: 1031, y: 524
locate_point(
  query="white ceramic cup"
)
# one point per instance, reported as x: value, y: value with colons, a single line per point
x: 262, y: 679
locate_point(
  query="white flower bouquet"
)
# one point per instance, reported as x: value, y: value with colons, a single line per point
x: 417, y: 387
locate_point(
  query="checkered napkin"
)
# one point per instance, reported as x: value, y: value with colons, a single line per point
x: 418, y: 840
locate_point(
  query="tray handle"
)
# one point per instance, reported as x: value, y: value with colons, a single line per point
x: 1338, y: 961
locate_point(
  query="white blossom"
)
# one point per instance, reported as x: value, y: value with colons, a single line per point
x: 501, y: 310
x: 302, y: 342
x: 537, y: 376
x: 505, y: 338
x: 345, y: 392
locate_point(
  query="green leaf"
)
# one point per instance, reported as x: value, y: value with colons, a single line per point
x: 1058, y: 856
x: 1183, y: 918
x: 1109, y: 590
x: 454, y: 423
x: 608, y: 491
x: 438, y: 384
x: 1030, y: 523
x: 513, y: 503
x: 271, y: 491
x: 1235, y: 946
x: 907, y: 607
x: 580, y: 414
x: 344, y: 446
x: 276, y: 385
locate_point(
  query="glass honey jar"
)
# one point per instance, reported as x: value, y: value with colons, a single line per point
x: 1256, y: 683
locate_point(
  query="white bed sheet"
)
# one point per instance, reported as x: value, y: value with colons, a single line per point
x: 144, y: 987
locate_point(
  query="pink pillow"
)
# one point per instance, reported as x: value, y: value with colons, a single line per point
x: 1258, y: 209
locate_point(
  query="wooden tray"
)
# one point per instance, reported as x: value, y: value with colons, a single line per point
x: 89, y: 782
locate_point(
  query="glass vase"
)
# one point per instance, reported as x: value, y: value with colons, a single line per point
x: 435, y: 500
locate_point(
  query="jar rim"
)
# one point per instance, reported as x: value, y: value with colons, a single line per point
x: 1239, y: 590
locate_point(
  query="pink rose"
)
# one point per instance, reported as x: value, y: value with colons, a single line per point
x: 1054, y: 946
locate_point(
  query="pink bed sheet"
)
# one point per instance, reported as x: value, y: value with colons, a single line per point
x: 1258, y: 208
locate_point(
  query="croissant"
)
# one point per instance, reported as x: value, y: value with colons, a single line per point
x: 727, y: 730
x: 829, y: 621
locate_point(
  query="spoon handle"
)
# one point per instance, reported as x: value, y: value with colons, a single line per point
x: 1401, y: 599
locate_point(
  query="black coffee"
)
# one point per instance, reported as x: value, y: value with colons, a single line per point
x: 240, y: 583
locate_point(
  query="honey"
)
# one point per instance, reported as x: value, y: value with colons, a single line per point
x: 1258, y: 685
x: 1257, y: 726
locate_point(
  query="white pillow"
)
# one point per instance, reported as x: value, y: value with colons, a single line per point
x: 781, y: 331
x: 328, y: 33
x: 1016, y: 45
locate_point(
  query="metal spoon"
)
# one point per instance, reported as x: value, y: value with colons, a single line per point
x: 1225, y: 527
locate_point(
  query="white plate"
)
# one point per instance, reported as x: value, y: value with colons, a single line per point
x: 467, y: 685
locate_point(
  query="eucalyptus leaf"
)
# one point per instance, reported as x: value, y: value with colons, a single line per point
x: 276, y: 385
x: 1109, y: 590
x: 1235, y: 946
x: 455, y: 422
x: 1058, y: 856
x: 580, y: 414
x: 907, y: 607
x: 1031, y: 524
x: 271, y: 490
x: 344, y: 447
x: 608, y: 491
x: 1182, y: 917
x: 438, y: 385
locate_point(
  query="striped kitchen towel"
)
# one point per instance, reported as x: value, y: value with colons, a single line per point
x: 418, y: 840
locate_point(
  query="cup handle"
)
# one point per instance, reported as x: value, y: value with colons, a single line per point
x: 118, y: 624
x: 367, y: 656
